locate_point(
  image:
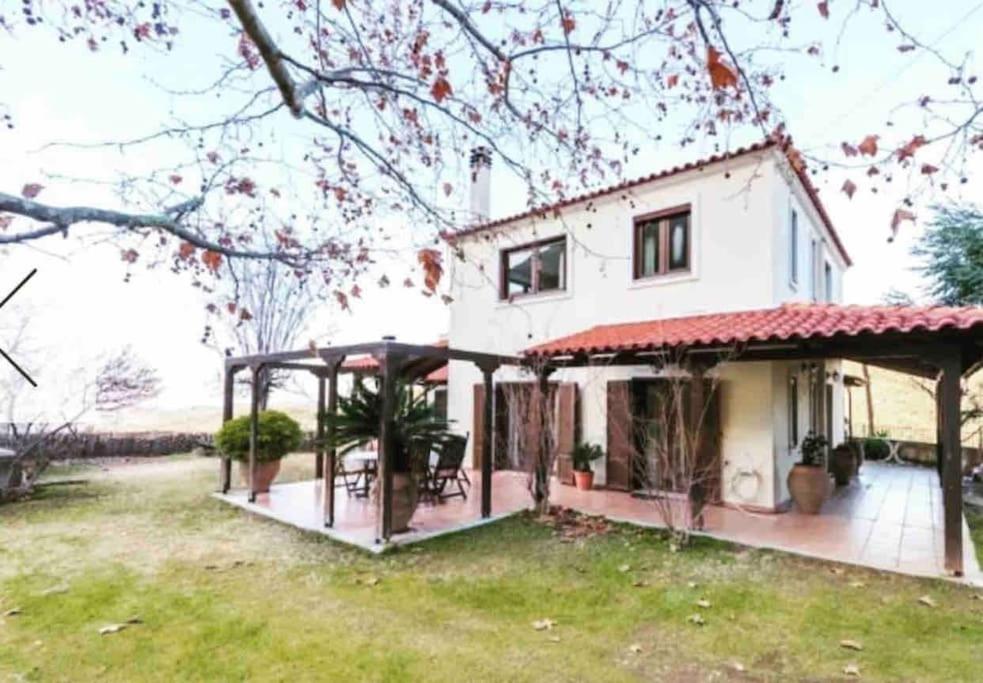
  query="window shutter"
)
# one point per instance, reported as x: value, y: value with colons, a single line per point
x: 478, y: 430
x: 709, y: 446
x: 566, y: 430
x: 620, y: 430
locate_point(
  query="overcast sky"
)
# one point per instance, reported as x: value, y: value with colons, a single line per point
x: 81, y: 307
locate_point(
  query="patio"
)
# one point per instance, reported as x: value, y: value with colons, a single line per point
x: 890, y: 519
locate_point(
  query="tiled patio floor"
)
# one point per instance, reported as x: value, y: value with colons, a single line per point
x: 890, y: 518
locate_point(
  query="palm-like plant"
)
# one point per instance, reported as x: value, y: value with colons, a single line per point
x: 359, y: 420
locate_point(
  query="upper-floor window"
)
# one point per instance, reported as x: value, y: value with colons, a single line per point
x: 662, y: 243
x: 828, y: 280
x: 534, y: 268
x: 793, y: 248
x: 814, y: 272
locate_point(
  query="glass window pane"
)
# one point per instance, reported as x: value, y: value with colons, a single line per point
x: 519, y: 271
x: 678, y: 242
x: 648, y: 235
x: 552, y: 266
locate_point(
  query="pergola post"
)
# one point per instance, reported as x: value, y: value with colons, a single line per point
x: 952, y: 494
x: 319, y: 436
x: 487, y: 435
x: 228, y: 396
x: 389, y: 366
x: 541, y: 473
x: 696, y: 491
x: 253, y: 428
x: 331, y: 465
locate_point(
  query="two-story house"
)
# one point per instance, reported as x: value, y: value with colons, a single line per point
x: 735, y: 232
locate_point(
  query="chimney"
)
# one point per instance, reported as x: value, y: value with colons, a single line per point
x: 480, y: 184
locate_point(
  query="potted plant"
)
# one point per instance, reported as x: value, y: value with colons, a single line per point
x: 417, y: 428
x: 843, y: 464
x: 583, y: 455
x: 277, y: 434
x: 808, y: 482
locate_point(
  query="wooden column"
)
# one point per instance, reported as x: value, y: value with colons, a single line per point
x: 319, y: 436
x: 253, y: 428
x: 228, y: 396
x: 332, y: 452
x: 389, y: 366
x: 939, y: 451
x: 952, y: 493
x: 487, y: 436
x: 696, y: 493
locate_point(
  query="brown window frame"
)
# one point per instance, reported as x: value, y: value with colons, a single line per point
x: 664, y: 217
x: 503, y: 268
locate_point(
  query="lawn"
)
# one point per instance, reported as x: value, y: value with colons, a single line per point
x: 223, y: 595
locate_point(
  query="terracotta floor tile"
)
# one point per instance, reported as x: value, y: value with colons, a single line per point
x: 890, y: 518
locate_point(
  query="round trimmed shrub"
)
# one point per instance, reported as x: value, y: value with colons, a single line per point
x: 277, y: 435
x: 876, y: 448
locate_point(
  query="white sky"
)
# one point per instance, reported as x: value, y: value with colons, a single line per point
x: 81, y: 307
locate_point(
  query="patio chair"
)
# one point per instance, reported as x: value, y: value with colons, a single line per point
x: 448, y: 470
x: 356, y: 480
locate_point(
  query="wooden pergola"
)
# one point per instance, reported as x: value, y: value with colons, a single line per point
x: 945, y: 354
x: 396, y: 362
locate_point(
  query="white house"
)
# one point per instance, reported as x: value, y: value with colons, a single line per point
x: 736, y: 232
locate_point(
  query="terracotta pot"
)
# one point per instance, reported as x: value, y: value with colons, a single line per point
x: 809, y: 487
x: 265, y: 474
x: 584, y: 480
x: 843, y: 465
x: 406, y: 495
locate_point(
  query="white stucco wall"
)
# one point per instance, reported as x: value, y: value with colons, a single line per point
x: 739, y: 253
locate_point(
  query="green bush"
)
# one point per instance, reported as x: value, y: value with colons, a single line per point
x: 876, y: 448
x: 277, y: 435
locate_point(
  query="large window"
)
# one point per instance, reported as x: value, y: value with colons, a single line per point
x: 828, y: 280
x: 662, y: 243
x: 814, y: 272
x: 793, y: 248
x: 534, y: 268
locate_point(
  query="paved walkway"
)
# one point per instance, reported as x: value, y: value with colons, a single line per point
x: 890, y: 518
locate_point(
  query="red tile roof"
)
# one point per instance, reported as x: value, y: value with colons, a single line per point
x: 368, y: 364
x: 798, y: 168
x: 787, y: 322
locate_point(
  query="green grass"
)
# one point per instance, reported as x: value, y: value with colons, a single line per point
x: 224, y: 595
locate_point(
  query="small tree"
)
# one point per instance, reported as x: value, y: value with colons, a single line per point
x: 118, y: 382
x: 674, y: 460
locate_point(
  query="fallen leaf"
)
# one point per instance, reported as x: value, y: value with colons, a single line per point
x: 851, y: 670
x: 928, y: 601
x: 704, y: 603
x: 554, y: 639
x: 624, y: 568
x: 691, y: 584
x: 55, y: 590
x: 638, y: 583
x: 372, y: 581
x: 543, y: 624
x: 836, y: 570
x: 112, y: 628
x: 852, y: 645
x: 857, y: 584
x: 696, y: 619
x: 738, y: 667
x: 12, y: 612
x: 635, y: 648
x: 849, y: 187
